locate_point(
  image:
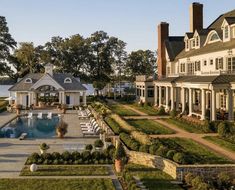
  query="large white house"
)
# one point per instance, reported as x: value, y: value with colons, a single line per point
x: 48, y: 88
x: 196, y: 72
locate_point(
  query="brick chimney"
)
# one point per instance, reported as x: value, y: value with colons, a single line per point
x: 163, y: 34
x: 196, y: 17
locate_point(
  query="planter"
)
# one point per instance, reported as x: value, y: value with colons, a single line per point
x: 118, y: 166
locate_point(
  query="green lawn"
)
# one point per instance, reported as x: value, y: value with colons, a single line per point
x: 56, y: 184
x: 146, y: 109
x: 221, y: 142
x: 149, y: 127
x: 182, y: 125
x: 121, y: 110
x: 152, y: 178
x: 53, y: 170
x: 199, y: 153
x: 113, y: 125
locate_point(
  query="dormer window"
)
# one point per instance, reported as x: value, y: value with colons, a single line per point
x: 214, y: 37
x: 28, y: 80
x: 187, y: 44
x: 226, y: 32
x: 67, y: 80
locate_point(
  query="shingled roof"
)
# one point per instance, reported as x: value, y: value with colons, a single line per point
x: 174, y: 45
x: 58, y: 77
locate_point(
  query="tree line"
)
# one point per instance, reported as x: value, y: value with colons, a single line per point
x: 99, y: 57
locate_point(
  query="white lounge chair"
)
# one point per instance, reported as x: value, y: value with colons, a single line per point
x: 22, y: 136
x: 30, y: 115
x: 39, y: 115
x: 49, y: 115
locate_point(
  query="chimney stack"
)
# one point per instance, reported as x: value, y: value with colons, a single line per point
x: 196, y: 17
x: 163, y: 34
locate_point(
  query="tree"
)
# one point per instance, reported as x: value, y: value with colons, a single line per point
x: 140, y: 63
x: 7, y: 43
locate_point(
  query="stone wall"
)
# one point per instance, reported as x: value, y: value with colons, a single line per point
x: 179, y: 171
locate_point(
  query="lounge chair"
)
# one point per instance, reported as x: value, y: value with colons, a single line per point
x: 49, y: 115
x: 22, y: 136
x: 30, y: 115
x: 39, y: 115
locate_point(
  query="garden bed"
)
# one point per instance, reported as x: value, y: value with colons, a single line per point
x: 113, y: 125
x: 66, y: 170
x: 149, y: 127
x: 221, y: 142
x: 56, y: 184
x: 145, y: 109
x: 122, y: 111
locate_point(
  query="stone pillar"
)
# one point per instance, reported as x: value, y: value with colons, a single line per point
x: 160, y: 96
x: 79, y: 98
x: 183, y: 99
x: 172, y: 98
x: 84, y: 98
x: 230, y: 105
x: 155, y: 96
x: 203, y: 104
x: 167, y: 97
x: 190, y: 101
x: 213, y: 105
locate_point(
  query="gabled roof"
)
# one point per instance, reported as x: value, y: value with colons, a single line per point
x: 58, y: 77
x: 230, y: 20
x: 174, y: 45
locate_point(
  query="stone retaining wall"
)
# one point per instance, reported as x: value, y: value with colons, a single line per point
x: 179, y: 171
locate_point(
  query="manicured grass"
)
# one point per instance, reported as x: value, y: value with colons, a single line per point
x: 121, y: 110
x: 221, y: 142
x: 53, y: 170
x: 152, y: 178
x: 149, y: 127
x: 146, y: 109
x: 56, y: 184
x: 185, y: 126
x: 199, y: 153
x: 113, y: 125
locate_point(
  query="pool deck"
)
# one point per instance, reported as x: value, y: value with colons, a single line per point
x: 13, y: 152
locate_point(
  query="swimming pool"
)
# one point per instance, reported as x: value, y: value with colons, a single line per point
x: 34, y: 127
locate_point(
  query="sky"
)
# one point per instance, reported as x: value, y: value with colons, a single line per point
x: 133, y: 21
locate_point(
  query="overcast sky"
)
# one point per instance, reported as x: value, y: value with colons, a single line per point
x: 133, y: 21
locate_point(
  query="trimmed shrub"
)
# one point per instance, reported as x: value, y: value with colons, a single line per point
x: 56, y: 155
x: 196, y: 182
x: 162, y: 151
x: 98, y: 143
x: 86, y: 155
x: 153, y: 149
x: 66, y: 155
x: 135, y: 146
x: 89, y: 147
x: 173, y: 113
x: 161, y: 111
x: 179, y: 158
x: 224, y: 181
x: 96, y: 155
x: 170, y: 154
x: 46, y: 156
x: 223, y: 129
x: 141, y: 137
x: 113, y: 125
x: 188, y: 178
x: 76, y: 155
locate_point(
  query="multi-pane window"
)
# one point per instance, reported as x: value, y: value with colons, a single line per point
x: 226, y: 32
x: 143, y: 91
x: 187, y: 46
x: 211, y: 61
x: 197, y: 97
x: 193, y: 43
x: 231, y: 63
x: 182, y: 67
x: 168, y: 70
x: 197, y: 65
x: 190, y: 68
x: 205, y: 62
x: 223, y: 101
x: 197, y: 41
x: 218, y: 63
x: 150, y: 91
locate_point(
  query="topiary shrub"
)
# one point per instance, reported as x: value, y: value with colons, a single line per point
x: 173, y: 113
x: 161, y: 111
x: 46, y: 156
x: 86, y: 155
x: 89, y: 147
x: 144, y: 148
x: 196, y: 182
x: 96, y: 155
x: 134, y: 146
x: 188, y: 178
x: 56, y: 155
x: 66, y: 156
x: 179, y: 158
x: 224, y: 181
x: 98, y: 143
x: 76, y: 155
x: 170, y: 154
x: 162, y: 151
x: 223, y: 129
x: 153, y: 149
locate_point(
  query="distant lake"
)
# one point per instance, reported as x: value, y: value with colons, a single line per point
x: 4, y: 90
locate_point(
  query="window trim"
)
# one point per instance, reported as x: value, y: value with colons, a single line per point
x: 67, y: 80
x: 28, y: 80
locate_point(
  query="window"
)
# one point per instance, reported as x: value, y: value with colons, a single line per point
x: 168, y: 70
x: 182, y: 67
x: 190, y: 68
x: 67, y: 80
x: 197, y: 97
x: 223, y: 101
x: 193, y: 43
x: 197, y: 41
x: 218, y: 63
x: 187, y: 46
x: 231, y: 63
x: 197, y: 65
x: 28, y: 80
x: 205, y: 62
x: 214, y: 37
x: 211, y: 62
x: 226, y: 32
x: 150, y: 91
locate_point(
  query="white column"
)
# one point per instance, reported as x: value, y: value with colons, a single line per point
x: 177, y: 98
x: 203, y: 104
x: 190, y: 103
x: 84, y: 98
x: 29, y: 99
x: 167, y: 97
x: 63, y: 98
x: 155, y: 95
x: 79, y: 94
x: 213, y: 105
x: 230, y: 105
x: 183, y: 99
x: 172, y: 98
x: 160, y: 96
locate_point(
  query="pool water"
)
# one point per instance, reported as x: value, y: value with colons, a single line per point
x: 34, y: 127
